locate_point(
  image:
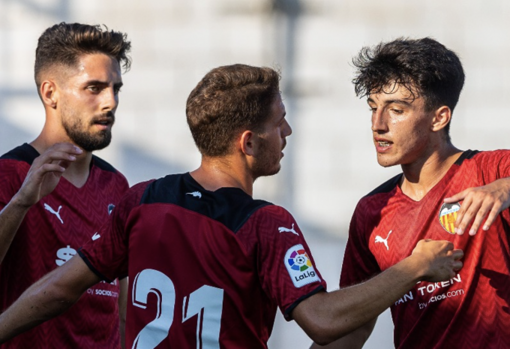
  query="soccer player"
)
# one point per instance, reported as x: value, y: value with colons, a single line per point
x: 412, y: 88
x: 208, y: 265
x: 54, y: 193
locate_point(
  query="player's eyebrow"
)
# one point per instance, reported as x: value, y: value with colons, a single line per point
x: 405, y: 102
x: 103, y: 83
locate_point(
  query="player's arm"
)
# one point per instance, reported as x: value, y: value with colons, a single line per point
x: 47, y: 298
x: 41, y: 179
x: 480, y: 202
x: 354, y: 340
x: 123, y: 295
x: 326, y: 317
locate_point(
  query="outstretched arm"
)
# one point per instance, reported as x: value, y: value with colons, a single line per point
x: 41, y: 179
x: 480, y: 202
x: 47, y: 298
x: 354, y: 340
x: 326, y: 317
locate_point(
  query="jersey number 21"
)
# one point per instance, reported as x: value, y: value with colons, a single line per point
x: 208, y: 298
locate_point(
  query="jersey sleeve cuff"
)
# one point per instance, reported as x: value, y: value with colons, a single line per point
x: 288, y: 312
x: 91, y: 267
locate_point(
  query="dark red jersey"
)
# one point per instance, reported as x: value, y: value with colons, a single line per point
x: 472, y: 310
x: 51, y: 233
x: 206, y: 269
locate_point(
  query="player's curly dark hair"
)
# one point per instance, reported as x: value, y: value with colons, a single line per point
x: 230, y: 99
x: 63, y: 43
x: 424, y: 66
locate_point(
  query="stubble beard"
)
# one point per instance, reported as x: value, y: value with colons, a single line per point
x: 86, y: 140
x: 268, y: 164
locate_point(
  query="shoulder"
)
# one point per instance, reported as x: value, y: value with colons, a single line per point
x: 483, y: 156
x: 492, y: 163
x: 23, y: 153
x: 108, y: 171
x: 15, y: 164
x: 386, y: 187
x: 272, y: 212
x: 137, y: 191
x: 270, y: 218
x: 374, y: 200
x: 131, y: 199
x: 103, y: 165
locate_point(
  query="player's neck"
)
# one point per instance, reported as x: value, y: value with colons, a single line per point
x: 222, y: 172
x: 422, y: 175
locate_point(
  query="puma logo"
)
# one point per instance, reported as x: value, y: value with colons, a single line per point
x: 195, y: 194
x: 56, y: 213
x: 287, y: 230
x: 384, y: 241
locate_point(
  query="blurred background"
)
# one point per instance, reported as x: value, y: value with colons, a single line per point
x: 329, y: 162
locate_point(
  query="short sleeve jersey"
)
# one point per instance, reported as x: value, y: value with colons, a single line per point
x: 206, y: 269
x: 472, y: 309
x: 50, y: 234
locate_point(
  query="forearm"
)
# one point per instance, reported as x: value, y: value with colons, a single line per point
x: 39, y: 303
x: 326, y: 317
x: 354, y: 340
x: 47, y: 298
x: 11, y: 217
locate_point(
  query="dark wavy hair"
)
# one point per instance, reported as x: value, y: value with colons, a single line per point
x: 229, y: 100
x: 423, y: 66
x: 62, y: 44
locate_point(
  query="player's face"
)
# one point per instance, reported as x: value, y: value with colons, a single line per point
x: 272, y: 141
x: 88, y: 99
x: 401, y: 127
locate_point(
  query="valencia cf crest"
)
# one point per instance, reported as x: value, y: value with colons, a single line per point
x: 448, y: 216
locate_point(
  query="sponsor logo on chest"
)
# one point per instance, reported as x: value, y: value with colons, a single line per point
x: 64, y: 254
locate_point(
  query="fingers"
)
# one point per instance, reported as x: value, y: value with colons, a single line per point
x: 60, y: 152
x: 45, y: 172
x: 457, y: 265
x: 457, y: 197
x: 469, y: 209
x: 457, y: 254
x: 492, y: 217
x: 479, y: 204
x: 440, y: 258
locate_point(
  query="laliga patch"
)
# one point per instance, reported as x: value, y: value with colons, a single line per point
x: 299, y: 266
x: 448, y: 216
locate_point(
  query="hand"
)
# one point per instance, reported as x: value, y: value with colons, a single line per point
x: 490, y: 199
x: 440, y: 260
x: 45, y: 172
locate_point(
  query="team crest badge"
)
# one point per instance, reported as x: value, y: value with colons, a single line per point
x: 448, y: 216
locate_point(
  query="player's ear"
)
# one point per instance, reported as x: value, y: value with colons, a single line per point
x: 442, y: 117
x: 48, y: 92
x: 247, y: 142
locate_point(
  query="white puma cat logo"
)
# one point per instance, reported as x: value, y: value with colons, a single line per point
x: 56, y: 213
x: 287, y: 230
x: 195, y: 194
x: 384, y: 241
